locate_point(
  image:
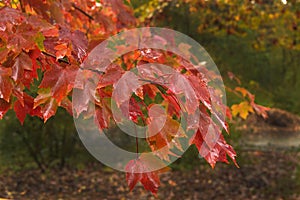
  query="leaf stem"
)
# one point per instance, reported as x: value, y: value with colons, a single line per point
x: 137, y: 143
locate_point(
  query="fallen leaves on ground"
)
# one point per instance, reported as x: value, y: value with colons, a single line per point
x: 267, y: 175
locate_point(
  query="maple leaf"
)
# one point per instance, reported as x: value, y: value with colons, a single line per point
x: 103, y: 114
x: 49, y: 109
x: 51, y: 32
x: 22, y: 109
x: 67, y: 104
x: 44, y: 94
x: 6, y: 83
x: 4, y: 107
x: 62, y: 50
x: 10, y: 16
x: 22, y: 62
x: 242, y: 109
x: 241, y: 90
x: 34, y: 55
x: 48, y: 104
x: 259, y: 109
x: 78, y: 41
x: 107, y: 23
x: 124, y: 87
x: 60, y: 80
x: 200, y: 87
x: 83, y: 96
x: 150, y: 90
x: 124, y: 14
x: 50, y: 11
x: 228, y: 113
x: 46, y: 29
x: 151, y: 56
x: 185, y: 49
x: 218, y: 109
x: 157, y: 118
x: 23, y: 38
x: 162, y: 141
x: 180, y: 85
x: 132, y: 109
x: 210, y: 142
x: 112, y: 74
x: 137, y: 171
x: 18, y: 92
x: 215, y: 152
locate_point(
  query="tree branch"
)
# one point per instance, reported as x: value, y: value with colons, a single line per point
x: 31, y: 151
x: 67, y: 62
x: 93, y: 70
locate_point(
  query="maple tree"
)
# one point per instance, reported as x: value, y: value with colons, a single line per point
x: 43, y: 47
x: 272, y: 23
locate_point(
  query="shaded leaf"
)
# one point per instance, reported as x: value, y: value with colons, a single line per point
x: 4, y: 107
x: 78, y: 41
x: 6, y: 83
x: 22, y: 62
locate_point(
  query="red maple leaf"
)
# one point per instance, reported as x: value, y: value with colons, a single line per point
x: 22, y: 62
x: 60, y: 80
x: 4, y: 107
x: 137, y: 171
x: 22, y: 110
x: 6, y: 83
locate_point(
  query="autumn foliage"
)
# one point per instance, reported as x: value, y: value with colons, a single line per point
x: 43, y: 45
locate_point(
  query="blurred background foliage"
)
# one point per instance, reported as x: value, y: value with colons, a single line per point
x: 38, y: 145
x: 257, y: 40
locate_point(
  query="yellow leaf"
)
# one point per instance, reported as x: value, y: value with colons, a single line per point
x: 242, y: 109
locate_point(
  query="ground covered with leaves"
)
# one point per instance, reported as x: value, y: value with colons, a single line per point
x: 262, y: 175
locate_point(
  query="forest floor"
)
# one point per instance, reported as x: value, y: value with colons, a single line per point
x: 262, y: 175
x: 268, y: 173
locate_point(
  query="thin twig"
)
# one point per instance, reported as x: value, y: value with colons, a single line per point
x: 93, y: 70
x: 67, y: 62
x: 22, y: 6
x: 53, y: 56
x: 137, y: 143
x: 32, y: 152
x: 82, y: 11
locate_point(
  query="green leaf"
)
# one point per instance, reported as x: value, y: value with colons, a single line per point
x: 39, y: 40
